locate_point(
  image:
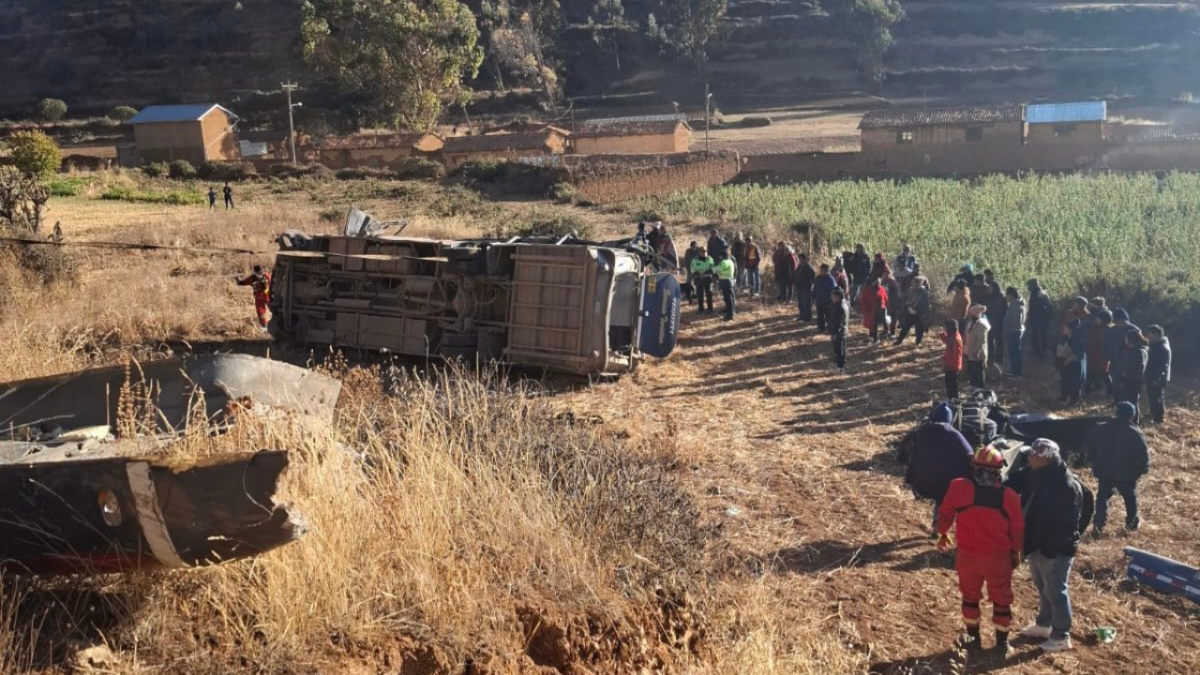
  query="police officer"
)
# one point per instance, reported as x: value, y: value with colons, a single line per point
x: 726, y: 270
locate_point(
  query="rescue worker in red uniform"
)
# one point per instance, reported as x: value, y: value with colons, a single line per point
x: 991, y: 529
x: 260, y: 282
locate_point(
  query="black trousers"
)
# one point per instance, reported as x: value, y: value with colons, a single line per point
x: 976, y: 370
x: 951, y: 384
x: 1131, y: 393
x: 727, y: 296
x: 995, y: 345
x: 839, y: 348
x: 1157, y: 394
x: 822, y: 315
x: 704, y: 291
x: 911, y: 322
x: 1037, y: 337
x: 804, y: 303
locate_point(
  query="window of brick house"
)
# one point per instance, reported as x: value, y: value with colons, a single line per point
x: 904, y: 137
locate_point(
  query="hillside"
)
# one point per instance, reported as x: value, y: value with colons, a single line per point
x: 134, y: 52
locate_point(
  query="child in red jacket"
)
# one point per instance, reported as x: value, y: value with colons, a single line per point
x: 991, y: 531
x: 952, y: 358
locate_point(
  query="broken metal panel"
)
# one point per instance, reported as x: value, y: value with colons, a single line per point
x: 120, y: 514
x: 90, y: 398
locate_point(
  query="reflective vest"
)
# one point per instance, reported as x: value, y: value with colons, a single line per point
x: 725, y: 269
x: 702, y: 265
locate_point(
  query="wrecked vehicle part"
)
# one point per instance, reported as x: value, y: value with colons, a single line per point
x: 122, y: 514
x: 47, y: 407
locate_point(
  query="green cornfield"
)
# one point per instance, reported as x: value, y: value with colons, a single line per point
x: 1120, y: 233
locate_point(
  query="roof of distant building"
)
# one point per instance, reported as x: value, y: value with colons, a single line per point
x: 930, y: 117
x: 629, y: 127
x: 177, y: 113
x: 1150, y: 133
x: 372, y: 141
x: 499, y: 142
x: 677, y: 117
x: 1059, y: 113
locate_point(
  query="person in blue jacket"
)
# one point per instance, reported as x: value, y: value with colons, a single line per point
x: 940, y: 453
x: 822, y: 291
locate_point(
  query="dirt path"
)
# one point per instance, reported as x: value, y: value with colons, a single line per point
x: 791, y: 459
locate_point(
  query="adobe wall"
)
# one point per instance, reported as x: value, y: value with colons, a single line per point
x: 610, y: 179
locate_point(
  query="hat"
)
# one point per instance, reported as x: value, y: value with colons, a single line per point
x: 1080, y: 300
x: 1120, y: 315
x: 1105, y: 316
x: 976, y: 311
x: 1044, y: 448
x: 969, y: 268
x: 1125, y: 411
x: 942, y: 413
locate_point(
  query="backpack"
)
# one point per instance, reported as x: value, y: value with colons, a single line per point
x: 1087, y: 502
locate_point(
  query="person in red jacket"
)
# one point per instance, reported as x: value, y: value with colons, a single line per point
x: 873, y: 303
x: 952, y: 357
x: 260, y: 282
x: 990, y: 525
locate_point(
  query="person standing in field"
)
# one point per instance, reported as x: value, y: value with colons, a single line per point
x: 990, y: 527
x: 1037, y: 321
x: 859, y: 270
x: 839, y: 319
x: 823, y: 288
x: 838, y: 272
x: 753, y: 264
x: 1133, y: 370
x: 965, y: 275
x: 906, y: 263
x: 1056, y: 513
x: 212, y: 197
x: 738, y: 250
x: 1070, y: 358
x: 784, y: 267
x: 702, y: 279
x: 939, y: 455
x: 976, y: 345
x: 1114, y: 348
x: 879, y: 267
x: 228, y: 192
x: 1078, y: 311
x: 1093, y: 344
x: 689, y: 256
x: 873, y: 301
x: 960, y: 303
x: 717, y: 247
x: 915, y: 312
x: 997, y: 308
x: 259, y: 282
x: 895, y: 301
x: 804, y: 279
x: 1120, y: 457
x: 726, y: 272
x: 1158, y: 372
x: 1014, y: 328
x: 952, y: 357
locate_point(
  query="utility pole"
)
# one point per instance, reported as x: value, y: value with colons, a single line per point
x: 289, y: 87
x: 707, y: 115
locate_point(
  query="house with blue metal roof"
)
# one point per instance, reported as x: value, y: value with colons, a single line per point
x: 1066, y: 123
x: 196, y: 133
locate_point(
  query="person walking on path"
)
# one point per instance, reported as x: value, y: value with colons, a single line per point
x: 990, y: 528
x: 738, y: 250
x: 915, y: 312
x: 804, y: 279
x: 873, y: 301
x: 939, y: 454
x: 1056, y: 512
x: 1037, y: 321
x: 228, y: 192
x: 1158, y: 372
x: 212, y: 197
x: 784, y: 267
x: 726, y: 271
x: 259, y: 282
x: 823, y: 288
x: 702, y: 279
x: 753, y: 265
x: 1133, y: 370
x: 839, y: 320
x: 1014, y: 328
x: 952, y: 357
x: 1120, y: 457
x: 976, y: 345
x: 1093, y: 344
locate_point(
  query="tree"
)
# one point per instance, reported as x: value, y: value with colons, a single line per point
x: 690, y: 25
x: 50, y: 109
x: 35, y: 153
x: 869, y: 23
x: 520, y: 37
x: 22, y: 199
x: 403, y: 60
x: 608, y: 24
x: 121, y: 113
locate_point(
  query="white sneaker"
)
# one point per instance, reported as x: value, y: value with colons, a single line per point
x: 1036, y: 632
x: 1056, y: 645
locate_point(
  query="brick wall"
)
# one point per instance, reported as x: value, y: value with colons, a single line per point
x: 609, y: 178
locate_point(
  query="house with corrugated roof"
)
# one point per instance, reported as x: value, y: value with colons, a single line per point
x: 459, y: 150
x: 374, y: 150
x: 1069, y: 123
x: 198, y: 133
x: 943, y: 140
x: 632, y: 135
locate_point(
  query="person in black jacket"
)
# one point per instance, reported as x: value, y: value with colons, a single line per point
x: 997, y: 307
x: 804, y: 278
x: 1134, y: 359
x: 940, y: 453
x: 859, y: 269
x: 1037, y: 317
x: 1119, y: 458
x: 717, y: 247
x: 1052, y: 499
x: 1158, y: 372
x: 839, y: 320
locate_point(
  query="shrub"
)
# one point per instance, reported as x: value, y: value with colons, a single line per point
x: 174, y: 197
x: 563, y: 193
x: 121, y: 113
x: 156, y: 169
x: 51, y: 109
x: 68, y: 187
x: 553, y: 226
x: 756, y: 121
x: 181, y: 169
x: 313, y: 171
x: 363, y: 173
x: 227, y: 171
x: 479, y: 172
x: 419, y: 168
x: 35, y: 153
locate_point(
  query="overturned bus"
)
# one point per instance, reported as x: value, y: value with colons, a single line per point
x: 565, y: 305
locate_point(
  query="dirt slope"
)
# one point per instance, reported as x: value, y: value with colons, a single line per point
x: 793, y: 459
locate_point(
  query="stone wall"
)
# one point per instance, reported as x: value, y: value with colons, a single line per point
x: 602, y: 179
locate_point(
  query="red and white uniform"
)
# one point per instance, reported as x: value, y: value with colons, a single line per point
x: 261, y: 285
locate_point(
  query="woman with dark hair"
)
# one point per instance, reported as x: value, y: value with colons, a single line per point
x: 873, y: 303
x: 1133, y: 369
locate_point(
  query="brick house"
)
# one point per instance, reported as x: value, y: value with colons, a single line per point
x: 374, y: 150
x: 196, y: 133
x: 459, y: 150
x: 633, y: 135
x: 977, y: 139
